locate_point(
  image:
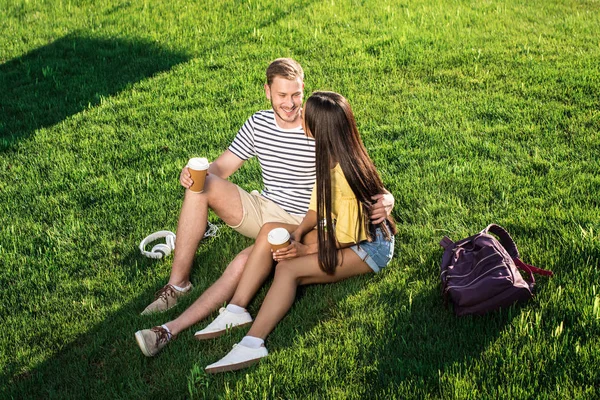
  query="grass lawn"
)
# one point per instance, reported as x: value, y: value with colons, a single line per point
x: 474, y: 112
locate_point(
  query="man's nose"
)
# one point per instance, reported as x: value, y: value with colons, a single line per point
x: 288, y: 101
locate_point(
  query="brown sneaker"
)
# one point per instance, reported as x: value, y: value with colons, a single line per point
x: 166, y: 298
x: 151, y: 341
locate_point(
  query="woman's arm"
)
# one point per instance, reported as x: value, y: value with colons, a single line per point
x: 308, y: 224
x: 308, y: 244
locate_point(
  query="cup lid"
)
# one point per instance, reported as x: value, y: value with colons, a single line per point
x: 198, y: 163
x: 278, y: 236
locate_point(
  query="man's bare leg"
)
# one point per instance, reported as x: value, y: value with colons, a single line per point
x: 224, y: 199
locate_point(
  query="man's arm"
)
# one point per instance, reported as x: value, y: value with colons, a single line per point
x: 224, y: 166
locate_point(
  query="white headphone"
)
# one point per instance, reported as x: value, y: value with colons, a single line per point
x: 160, y: 250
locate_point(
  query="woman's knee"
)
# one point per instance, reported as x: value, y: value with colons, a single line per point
x: 261, y: 242
x: 268, y: 227
x: 283, y: 270
x: 263, y: 234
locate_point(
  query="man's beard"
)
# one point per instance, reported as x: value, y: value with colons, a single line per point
x: 284, y: 117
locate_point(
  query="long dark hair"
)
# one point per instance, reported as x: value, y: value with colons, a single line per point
x: 329, y: 119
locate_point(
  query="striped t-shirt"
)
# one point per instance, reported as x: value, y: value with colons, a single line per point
x: 286, y: 157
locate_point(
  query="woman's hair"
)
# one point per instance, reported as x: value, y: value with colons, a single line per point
x: 329, y: 119
x: 285, y: 68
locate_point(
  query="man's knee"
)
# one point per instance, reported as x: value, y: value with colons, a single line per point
x: 193, y: 197
x: 211, y: 188
x: 237, y: 265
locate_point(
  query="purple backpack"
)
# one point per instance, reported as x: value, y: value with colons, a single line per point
x: 480, y: 273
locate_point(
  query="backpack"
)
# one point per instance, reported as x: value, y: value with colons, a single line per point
x: 481, y: 274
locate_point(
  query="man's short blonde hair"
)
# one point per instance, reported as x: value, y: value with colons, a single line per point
x: 285, y: 68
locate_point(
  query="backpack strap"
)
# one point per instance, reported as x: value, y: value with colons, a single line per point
x: 446, y: 242
x: 511, y: 248
x: 505, y: 239
x: 531, y: 269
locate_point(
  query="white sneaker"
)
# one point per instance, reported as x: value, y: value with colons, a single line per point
x: 224, y: 321
x: 239, y: 357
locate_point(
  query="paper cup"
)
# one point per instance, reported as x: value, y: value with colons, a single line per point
x: 198, y: 167
x: 278, y: 238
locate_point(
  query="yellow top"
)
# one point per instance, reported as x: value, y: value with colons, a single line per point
x: 345, y: 213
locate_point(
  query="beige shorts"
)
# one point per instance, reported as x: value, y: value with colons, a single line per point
x: 258, y: 211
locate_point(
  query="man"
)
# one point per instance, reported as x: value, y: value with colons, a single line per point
x: 287, y: 160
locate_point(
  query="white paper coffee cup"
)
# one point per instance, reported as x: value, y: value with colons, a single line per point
x: 198, y: 167
x: 278, y: 238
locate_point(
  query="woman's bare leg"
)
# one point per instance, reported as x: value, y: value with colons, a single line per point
x: 299, y: 271
x: 213, y: 297
x: 258, y: 266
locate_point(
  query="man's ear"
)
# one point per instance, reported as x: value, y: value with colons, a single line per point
x: 267, y: 91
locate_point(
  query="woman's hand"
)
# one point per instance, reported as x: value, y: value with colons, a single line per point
x: 295, y: 249
x: 296, y: 236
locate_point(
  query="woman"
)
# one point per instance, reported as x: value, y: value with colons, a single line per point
x: 346, y: 181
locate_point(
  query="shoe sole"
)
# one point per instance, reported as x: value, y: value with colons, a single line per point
x: 233, y: 367
x: 215, y: 334
x: 140, y: 341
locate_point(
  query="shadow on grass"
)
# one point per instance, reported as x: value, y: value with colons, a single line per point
x: 105, y: 361
x: 426, y: 339
x: 418, y: 339
x: 69, y: 75
x: 429, y: 340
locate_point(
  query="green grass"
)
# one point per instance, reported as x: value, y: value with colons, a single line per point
x: 474, y: 112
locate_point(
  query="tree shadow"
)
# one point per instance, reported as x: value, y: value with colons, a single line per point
x: 75, y: 72
x: 105, y: 361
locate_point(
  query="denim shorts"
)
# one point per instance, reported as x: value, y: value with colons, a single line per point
x: 378, y: 253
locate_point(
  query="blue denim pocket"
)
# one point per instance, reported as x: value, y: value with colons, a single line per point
x: 384, y: 250
x: 379, y: 252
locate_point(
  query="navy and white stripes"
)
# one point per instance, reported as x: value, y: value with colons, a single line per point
x: 286, y: 157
